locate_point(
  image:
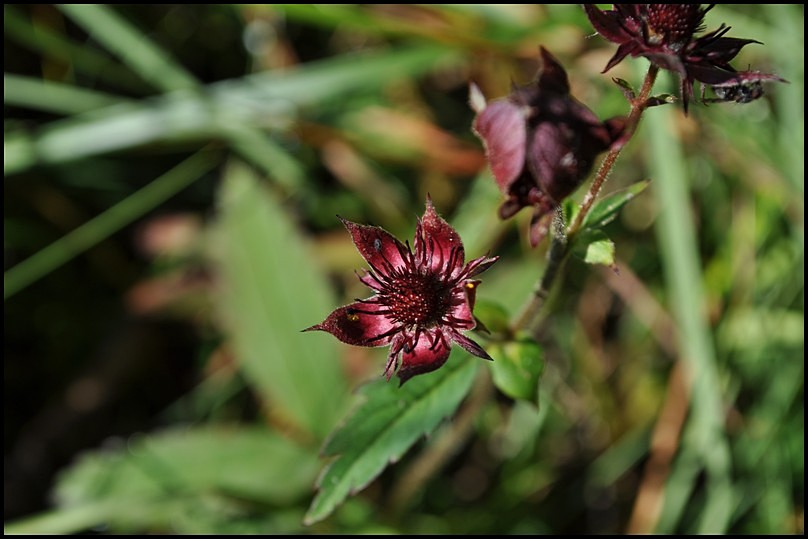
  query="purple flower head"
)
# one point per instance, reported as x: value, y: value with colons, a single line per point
x: 665, y: 34
x: 423, y: 297
x: 541, y: 143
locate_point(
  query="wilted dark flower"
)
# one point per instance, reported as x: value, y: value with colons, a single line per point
x: 423, y: 298
x: 665, y: 34
x: 541, y: 143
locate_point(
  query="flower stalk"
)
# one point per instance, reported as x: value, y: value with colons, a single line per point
x: 638, y: 106
x: 559, y: 246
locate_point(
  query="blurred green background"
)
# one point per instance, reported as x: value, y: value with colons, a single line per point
x: 172, y: 180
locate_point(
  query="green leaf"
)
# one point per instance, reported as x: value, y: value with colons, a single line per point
x: 156, y: 65
x: 605, y: 210
x: 594, y: 247
x: 661, y: 99
x: 625, y: 87
x: 517, y: 368
x: 493, y: 316
x: 384, y: 426
x: 600, y: 252
x: 185, y: 514
x: 52, y: 96
x: 188, y: 479
x: 249, y: 463
x: 569, y: 209
x: 271, y: 289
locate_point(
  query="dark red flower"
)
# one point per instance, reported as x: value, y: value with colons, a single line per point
x: 541, y: 143
x: 423, y: 298
x: 665, y: 34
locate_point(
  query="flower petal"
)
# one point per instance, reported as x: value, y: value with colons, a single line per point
x: 382, y: 251
x: 471, y: 347
x: 563, y: 149
x: 371, y: 280
x: 549, y: 155
x: 501, y: 127
x: 717, y: 51
x: 479, y: 265
x: 606, y: 23
x: 552, y: 77
x: 671, y: 62
x: 622, y: 51
x: 709, y: 74
x: 437, y: 245
x: 461, y: 317
x: 361, y: 323
x: 430, y: 352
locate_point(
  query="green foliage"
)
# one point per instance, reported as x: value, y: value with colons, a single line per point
x: 266, y: 264
x: 248, y: 463
x: 681, y: 261
x: 591, y: 243
x: 493, y: 316
x: 605, y: 210
x: 597, y: 248
x: 168, y: 481
x: 387, y: 422
x: 517, y: 369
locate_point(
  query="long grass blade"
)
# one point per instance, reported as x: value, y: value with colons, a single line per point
x: 139, y: 52
x: 97, y: 229
x: 678, y: 242
x: 52, y: 96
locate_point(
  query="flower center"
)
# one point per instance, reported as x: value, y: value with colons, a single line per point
x: 417, y: 299
x: 673, y: 24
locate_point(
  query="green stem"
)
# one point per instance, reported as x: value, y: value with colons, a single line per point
x: 555, y: 260
x: 559, y: 247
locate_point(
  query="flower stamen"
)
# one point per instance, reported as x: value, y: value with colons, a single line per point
x: 422, y: 298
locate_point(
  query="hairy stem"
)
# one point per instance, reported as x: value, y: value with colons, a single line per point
x: 555, y: 259
x: 638, y: 106
x: 559, y: 247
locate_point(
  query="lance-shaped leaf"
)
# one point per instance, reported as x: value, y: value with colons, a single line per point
x: 381, y: 429
x: 251, y: 463
x: 188, y: 480
x: 605, y: 210
x: 271, y: 288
